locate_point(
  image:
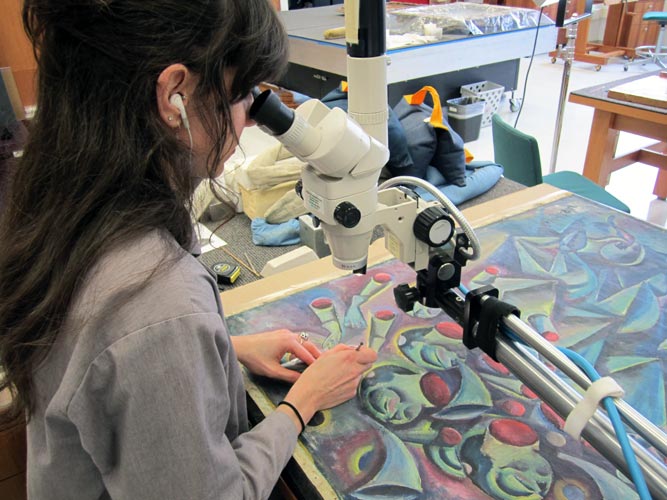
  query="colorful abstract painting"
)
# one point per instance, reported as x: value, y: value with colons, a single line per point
x: 434, y: 420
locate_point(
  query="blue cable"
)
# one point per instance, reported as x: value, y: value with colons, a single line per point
x: 628, y: 453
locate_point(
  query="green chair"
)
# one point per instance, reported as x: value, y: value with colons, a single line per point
x: 519, y: 155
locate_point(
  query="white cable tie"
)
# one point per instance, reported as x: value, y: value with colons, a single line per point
x: 585, y: 409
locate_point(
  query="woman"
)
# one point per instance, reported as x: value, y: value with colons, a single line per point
x: 111, y: 332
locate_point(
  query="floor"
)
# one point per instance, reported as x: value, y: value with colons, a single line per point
x: 633, y: 184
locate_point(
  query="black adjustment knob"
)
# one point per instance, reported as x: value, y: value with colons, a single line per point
x: 298, y: 187
x: 406, y: 297
x: 347, y: 214
x: 434, y: 226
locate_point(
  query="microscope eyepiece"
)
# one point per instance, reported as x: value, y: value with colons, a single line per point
x: 268, y: 111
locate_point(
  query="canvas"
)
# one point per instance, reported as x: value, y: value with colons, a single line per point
x: 434, y: 420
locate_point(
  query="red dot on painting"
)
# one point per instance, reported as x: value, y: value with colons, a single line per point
x: 528, y: 393
x: 551, y: 336
x: 514, y: 408
x: 435, y: 389
x: 385, y: 315
x: 552, y: 416
x: 450, y: 329
x: 492, y: 270
x: 382, y: 277
x: 450, y: 436
x: 499, y: 367
x: 321, y: 303
x: 512, y: 432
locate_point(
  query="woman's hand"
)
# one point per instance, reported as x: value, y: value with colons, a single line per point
x: 331, y: 380
x: 261, y: 353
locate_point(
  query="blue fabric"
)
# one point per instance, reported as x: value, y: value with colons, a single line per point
x: 450, y: 156
x: 399, y: 155
x: 442, y: 149
x: 419, y: 135
x: 299, y: 98
x: 480, y: 177
x: 275, y: 235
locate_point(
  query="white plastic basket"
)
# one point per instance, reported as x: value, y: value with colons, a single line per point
x: 491, y: 93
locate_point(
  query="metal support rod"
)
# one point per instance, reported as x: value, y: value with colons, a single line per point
x: 660, y: 50
x: 636, y: 420
x: 569, y: 57
x: 562, y: 398
x: 600, y: 433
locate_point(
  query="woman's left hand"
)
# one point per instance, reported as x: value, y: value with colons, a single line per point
x: 261, y: 353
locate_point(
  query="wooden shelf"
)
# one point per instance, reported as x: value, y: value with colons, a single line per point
x: 624, y: 31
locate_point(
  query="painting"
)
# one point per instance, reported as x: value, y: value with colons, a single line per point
x: 435, y: 420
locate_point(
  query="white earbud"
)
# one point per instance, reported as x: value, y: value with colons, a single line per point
x: 177, y: 101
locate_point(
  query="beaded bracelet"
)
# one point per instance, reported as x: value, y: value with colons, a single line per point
x: 296, y: 412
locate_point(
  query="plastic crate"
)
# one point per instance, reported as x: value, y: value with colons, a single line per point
x: 465, y: 106
x: 491, y: 93
x: 464, y: 114
x: 468, y: 127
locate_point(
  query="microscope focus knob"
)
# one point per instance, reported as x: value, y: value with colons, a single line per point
x: 406, y: 296
x: 434, y: 226
x: 347, y: 214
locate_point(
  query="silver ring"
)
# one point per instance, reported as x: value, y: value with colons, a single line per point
x: 303, y: 337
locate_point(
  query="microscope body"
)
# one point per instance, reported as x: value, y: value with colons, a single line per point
x: 339, y: 182
x: 339, y: 185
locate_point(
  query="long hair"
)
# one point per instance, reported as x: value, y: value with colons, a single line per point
x: 100, y: 166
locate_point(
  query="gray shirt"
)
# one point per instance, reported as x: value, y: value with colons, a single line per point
x: 142, y: 397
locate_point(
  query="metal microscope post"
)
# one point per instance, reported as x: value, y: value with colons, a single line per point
x: 562, y: 398
x: 636, y: 420
x: 565, y: 82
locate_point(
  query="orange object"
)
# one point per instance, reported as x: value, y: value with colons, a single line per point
x: 436, y: 120
x: 418, y: 98
x: 16, y: 50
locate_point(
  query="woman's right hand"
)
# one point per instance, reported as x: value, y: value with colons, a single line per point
x: 331, y: 380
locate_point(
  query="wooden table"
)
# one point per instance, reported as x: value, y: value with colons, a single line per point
x: 613, y: 116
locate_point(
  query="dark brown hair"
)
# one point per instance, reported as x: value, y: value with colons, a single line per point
x: 100, y: 166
